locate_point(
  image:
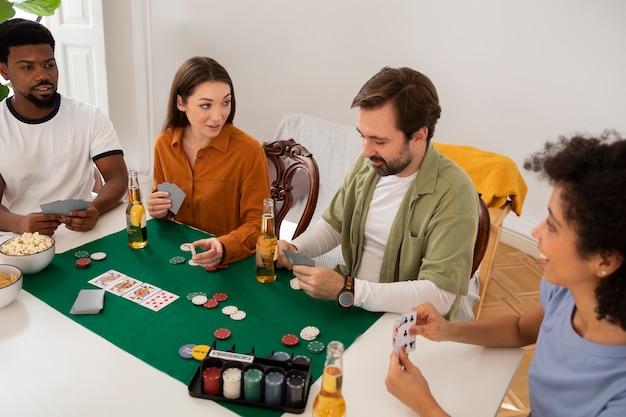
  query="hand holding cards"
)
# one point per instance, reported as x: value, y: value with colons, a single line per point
x: 176, y: 195
x: 401, y: 337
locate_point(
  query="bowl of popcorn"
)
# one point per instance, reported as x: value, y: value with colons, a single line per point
x: 10, y: 284
x: 30, y: 252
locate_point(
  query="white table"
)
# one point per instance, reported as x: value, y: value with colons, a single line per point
x: 51, y: 366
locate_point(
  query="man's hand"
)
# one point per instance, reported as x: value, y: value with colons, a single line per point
x: 45, y: 224
x: 81, y: 220
x: 281, y: 259
x: 320, y: 283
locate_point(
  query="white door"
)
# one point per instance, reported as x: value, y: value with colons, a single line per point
x: 78, y: 30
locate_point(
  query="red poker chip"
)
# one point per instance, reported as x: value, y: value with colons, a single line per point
x: 220, y: 296
x: 83, y: 263
x: 210, y: 303
x: 222, y: 333
x: 222, y: 266
x: 290, y: 340
x: 211, y: 269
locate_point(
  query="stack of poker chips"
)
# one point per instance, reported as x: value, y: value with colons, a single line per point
x: 231, y: 385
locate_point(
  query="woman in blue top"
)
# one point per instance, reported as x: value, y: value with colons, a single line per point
x: 579, y: 368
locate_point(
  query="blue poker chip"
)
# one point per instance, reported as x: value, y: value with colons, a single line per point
x: 185, y: 351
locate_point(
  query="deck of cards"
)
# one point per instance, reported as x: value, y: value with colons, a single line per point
x: 142, y: 293
x: 401, y: 337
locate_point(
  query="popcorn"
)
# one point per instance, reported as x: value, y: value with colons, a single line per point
x: 26, y: 244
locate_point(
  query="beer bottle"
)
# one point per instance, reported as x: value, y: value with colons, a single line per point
x: 266, y: 245
x: 135, y: 214
x: 330, y: 402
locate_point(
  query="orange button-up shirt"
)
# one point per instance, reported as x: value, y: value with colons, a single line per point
x: 225, y: 189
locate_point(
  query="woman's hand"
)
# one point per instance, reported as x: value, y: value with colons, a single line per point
x: 159, y: 204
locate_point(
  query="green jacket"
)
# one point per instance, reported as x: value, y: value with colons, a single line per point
x: 433, y: 234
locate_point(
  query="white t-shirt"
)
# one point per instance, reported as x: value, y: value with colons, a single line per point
x: 52, y: 158
x: 369, y: 293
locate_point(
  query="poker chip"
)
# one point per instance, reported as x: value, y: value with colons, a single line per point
x: 176, y: 260
x: 222, y: 333
x: 199, y: 299
x: 210, y: 303
x: 199, y: 352
x: 185, y: 247
x: 302, y: 360
x: 81, y: 254
x: 281, y: 356
x: 220, y: 296
x: 294, y: 284
x: 83, y: 263
x: 192, y: 262
x: 315, y: 346
x: 194, y: 293
x: 239, y: 315
x: 309, y: 333
x: 290, y: 340
x: 185, y: 351
x: 228, y: 310
x: 98, y: 256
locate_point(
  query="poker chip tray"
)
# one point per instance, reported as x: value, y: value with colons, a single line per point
x: 225, y: 359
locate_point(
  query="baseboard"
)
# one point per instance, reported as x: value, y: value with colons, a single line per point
x: 521, y: 242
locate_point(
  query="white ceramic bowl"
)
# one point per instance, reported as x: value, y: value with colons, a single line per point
x: 10, y: 292
x: 29, y: 264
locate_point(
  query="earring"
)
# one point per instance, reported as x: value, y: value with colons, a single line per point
x: 603, y: 273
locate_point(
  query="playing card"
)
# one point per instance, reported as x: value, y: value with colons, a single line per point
x: 296, y: 258
x: 159, y: 300
x: 123, y: 285
x: 106, y: 280
x: 176, y: 195
x: 401, y: 336
x: 64, y: 206
x: 141, y: 293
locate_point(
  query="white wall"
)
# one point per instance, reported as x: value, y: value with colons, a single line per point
x: 510, y: 74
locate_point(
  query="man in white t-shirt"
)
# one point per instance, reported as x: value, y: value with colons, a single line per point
x: 50, y: 143
x: 406, y: 216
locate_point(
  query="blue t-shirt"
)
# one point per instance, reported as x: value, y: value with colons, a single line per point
x: 571, y: 376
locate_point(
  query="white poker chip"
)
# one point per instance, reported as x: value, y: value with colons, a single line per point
x: 230, y: 310
x: 98, y: 256
x: 238, y: 315
x: 199, y: 299
x: 294, y: 284
x: 185, y: 247
x: 309, y: 333
x: 192, y: 262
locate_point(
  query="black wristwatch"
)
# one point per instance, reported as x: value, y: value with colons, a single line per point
x: 346, y: 295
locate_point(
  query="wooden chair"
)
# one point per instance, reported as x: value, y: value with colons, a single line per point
x: 482, y: 236
x: 294, y: 181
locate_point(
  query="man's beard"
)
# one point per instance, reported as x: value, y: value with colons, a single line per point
x: 44, y: 103
x: 396, y: 165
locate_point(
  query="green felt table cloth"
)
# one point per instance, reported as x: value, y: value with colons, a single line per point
x: 273, y: 310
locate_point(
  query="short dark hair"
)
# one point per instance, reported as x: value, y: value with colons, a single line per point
x: 18, y: 32
x: 414, y: 97
x: 592, y: 174
x: 193, y: 72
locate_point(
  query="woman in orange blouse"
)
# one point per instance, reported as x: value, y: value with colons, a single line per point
x: 222, y: 170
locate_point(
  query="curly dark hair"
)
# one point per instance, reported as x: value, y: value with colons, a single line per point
x: 592, y: 172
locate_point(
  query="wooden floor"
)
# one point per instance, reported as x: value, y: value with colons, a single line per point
x: 514, y: 287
